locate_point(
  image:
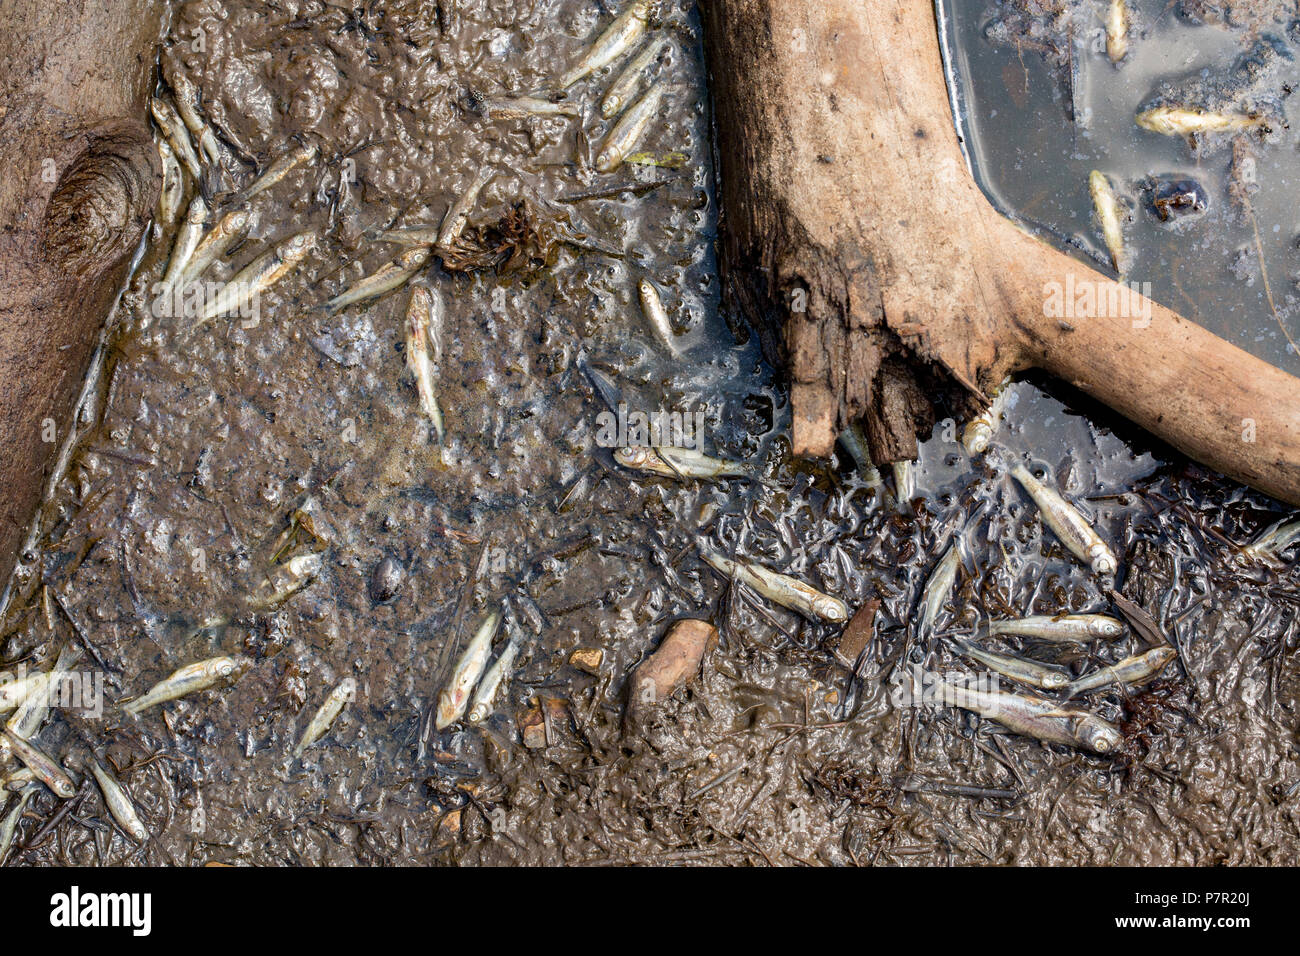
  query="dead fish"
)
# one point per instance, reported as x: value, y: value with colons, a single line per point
x: 384, y: 280
x: 628, y: 27
x: 1033, y: 673
x: 279, y: 169
x: 187, y: 680
x: 285, y: 580
x: 186, y: 96
x: 1117, y: 24
x: 119, y: 802
x: 214, y: 245
x: 938, y: 587
x: 625, y: 86
x: 338, y: 698
x: 1184, y: 121
x: 855, y: 443
x: 780, y: 588
x: 259, y: 275
x: 627, y: 132
x: 979, y: 431
x: 1107, y: 207
x: 521, y: 107
x: 1131, y: 670
x: 1069, y: 526
x: 188, y: 238
x: 678, y: 463
x: 9, y: 826
x: 904, y: 484
x: 481, y: 706
x: 174, y: 129
x: 421, y: 348
x: 1275, y: 539
x: 410, y: 236
x: 454, y: 699
x: 1035, y: 717
x: 1066, y: 628
x: 173, y: 185
x: 31, y: 713
x: 457, y: 215
x: 44, y: 766
x: 15, y: 690
x: 657, y: 315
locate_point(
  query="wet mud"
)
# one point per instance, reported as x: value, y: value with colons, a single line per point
x: 205, y: 453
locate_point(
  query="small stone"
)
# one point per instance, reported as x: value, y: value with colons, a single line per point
x: 587, y: 659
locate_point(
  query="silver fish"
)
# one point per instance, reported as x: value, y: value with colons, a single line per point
x: 214, y: 245
x: 259, y: 275
x: 1070, y: 527
x: 457, y: 215
x: 1062, y: 628
x: 421, y: 349
x: 119, y: 802
x: 186, y: 680
x: 1035, y: 717
x: 520, y: 107
x: 173, y: 185
x: 187, y: 104
x: 285, y: 580
x: 454, y: 699
x: 1106, y: 205
x: 904, y: 484
x: 15, y: 690
x: 338, y: 698
x: 628, y: 27
x: 44, y: 766
x: 627, y: 132
x: 781, y: 588
x: 1187, y: 121
x: 678, y: 463
x: 174, y: 129
x: 411, y: 236
x: 1131, y: 670
x: 938, y: 587
x: 31, y: 713
x: 384, y: 280
x: 1276, y: 539
x: 481, y: 706
x: 654, y: 310
x: 1117, y: 23
x: 279, y: 169
x: 855, y: 443
x: 9, y: 825
x: 188, y: 238
x: 979, y: 431
x: 1033, y: 673
x: 625, y: 86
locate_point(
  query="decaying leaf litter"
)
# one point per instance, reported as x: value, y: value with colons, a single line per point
x: 273, y: 493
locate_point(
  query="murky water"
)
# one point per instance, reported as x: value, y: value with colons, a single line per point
x: 1039, y: 122
x: 199, y: 443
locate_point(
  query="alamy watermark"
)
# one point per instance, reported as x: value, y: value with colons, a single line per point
x: 919, y: 687
x: 76, y: 691
x: 672, y: 428
x: 1098, y: 299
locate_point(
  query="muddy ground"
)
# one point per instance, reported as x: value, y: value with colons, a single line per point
x: 198, y: 442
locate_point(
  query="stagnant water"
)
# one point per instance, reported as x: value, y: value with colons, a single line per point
x: 197, y: 444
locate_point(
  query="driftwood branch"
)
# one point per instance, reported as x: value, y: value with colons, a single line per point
x: 856, y: 241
